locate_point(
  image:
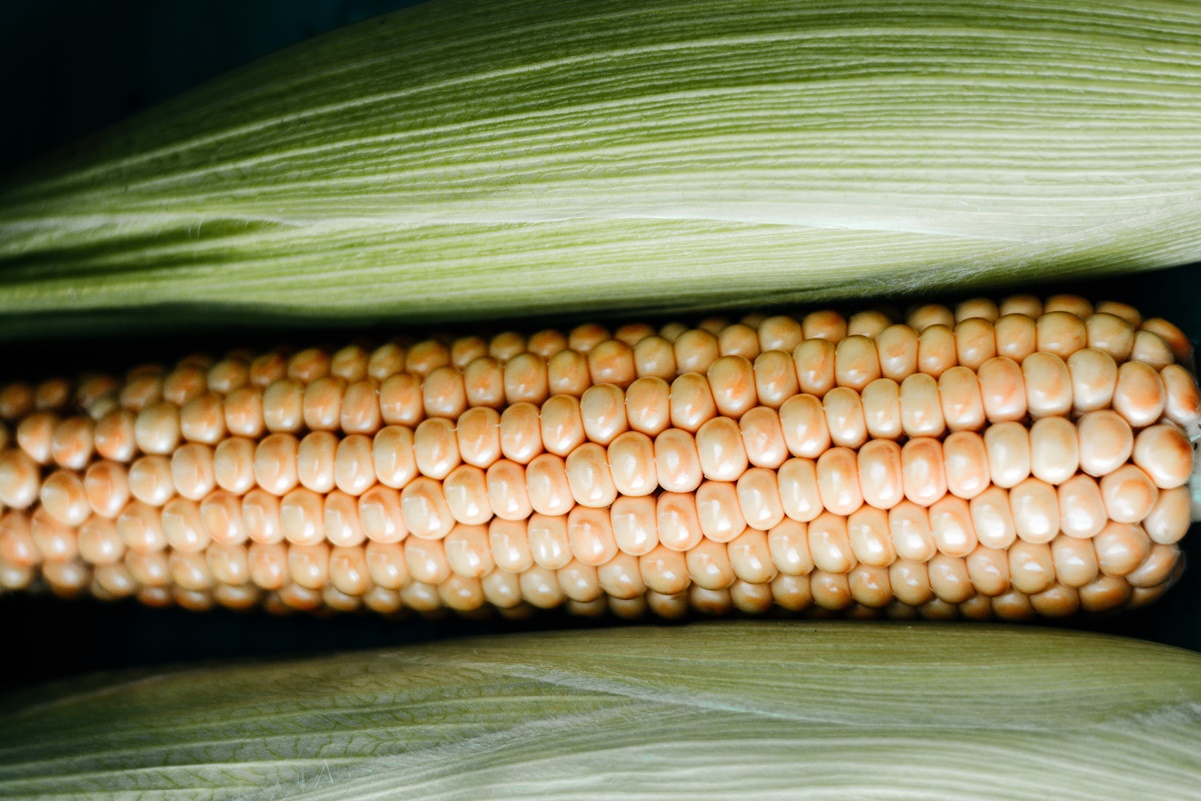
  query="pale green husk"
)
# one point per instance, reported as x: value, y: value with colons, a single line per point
x: 470, y: 158
x: 756, y: 710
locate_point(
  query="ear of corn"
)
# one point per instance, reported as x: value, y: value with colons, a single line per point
x: 758, y: 710
x: 991, y: 460
x: 465, y: 159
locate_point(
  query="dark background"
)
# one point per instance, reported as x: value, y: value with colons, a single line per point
x: 70, y: 68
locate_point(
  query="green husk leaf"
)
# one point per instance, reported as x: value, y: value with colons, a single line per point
x: 464, y: 158
x: 758, y: 710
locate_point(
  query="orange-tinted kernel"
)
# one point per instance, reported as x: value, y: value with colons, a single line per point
x: 1150, y: 349
x: 202, y: 419
x: 803, y: 419
x: 882, y: 409
x: 897, y: 348
x: 244, y: 412
x: 612, y: 362
x: 267, y: 368
x: 567, y: 373
x: 962, y: 404
x: 838, y: 481
x: 426, y: 356
x: 1164, y: 454
x: 936, y: 350
x: 275, y: 465
x: 655, y: 357
x: 815, y: 361
x: 1016, y: 334
x: 183, y: 526
x: 775, y: 378
x: 1094, y: 378
x: 924, y: 316
x: 591, y: 536
x: 550, y: 544
x: 35, y: 435
x: 718, y: 511
x: 856, y: 362
x: 192, y: 470
x: 830, y: 545
x: 992, y: 518
x: 435, y: 447
x: 20, y: 479
x: 63, y: 496
x: 799, y: 491
x: 1138, y: 395
x: 99, y: 543
x: 510, y: 545
x: 1048, y: 385
x: 923, y: 471
x: 547, y: 485
x: 1075, y: 560
x: 141, y: 391
x: 721, y: 450
x: 759, y: 498
x: 1129, y: 494
x: 321, y: 406
x: 150, y: 480
x: 426, y: 513
x: 677, y: 523
x: 283, y: 406
x: 562, y: 425
x: 380, y: 515
x: 342, y: 526
x: 921, y: 407
x: 520, y: 436
x: 400, y: 400
x: 844, y: 417
x: 1035, y: 509
x: 868, y: 323
x: 780, y: 333
x: 635, y: 524
x: 966, y: 460
x: 1054, y: 451
x: 1170, y: 518
x: 988, y: 570
x: 506, y: 487
x: 677, y: 462
x: 951, y: 526
x: 72, y: 442
x: 1061, y: 333
x: 825, y: 324
x: 648, y: 405
x: 975, y: 342
x: 631, y: 459
x: 763, y: 437
x: 361, y: 409
x: 602, y: 409
x: 881, y: 479
x: 444, y: 393
x: 1177, y: 340
x: 1110, y: 334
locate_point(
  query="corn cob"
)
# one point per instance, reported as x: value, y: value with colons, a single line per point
x: 991, y: 460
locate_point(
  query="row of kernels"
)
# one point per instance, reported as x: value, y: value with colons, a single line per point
x: 806, y: 425
x: 636, y: 526
x: 518, y: 596
x: 467, y: 373
x: 882, y: 474
x: 390, y: 578
x: 755, y: 556
x: 1030, y: 306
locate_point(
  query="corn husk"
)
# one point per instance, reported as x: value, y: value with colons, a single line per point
x: 466, y: 159
x: 764, y: 710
